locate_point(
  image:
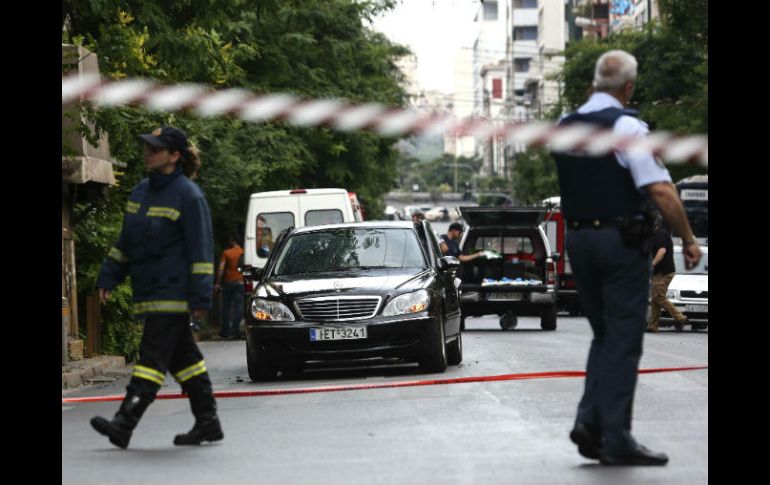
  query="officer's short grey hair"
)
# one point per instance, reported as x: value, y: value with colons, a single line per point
x: 613, y: 70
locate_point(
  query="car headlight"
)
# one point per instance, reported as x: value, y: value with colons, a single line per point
x: 672, y: 295
x: 414, y: 302
x: 270, y: 310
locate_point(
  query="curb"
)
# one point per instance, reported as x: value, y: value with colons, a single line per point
x: 76, y: 373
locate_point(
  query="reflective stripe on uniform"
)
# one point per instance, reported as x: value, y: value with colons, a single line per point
x: 132, y: 207
x: 117, y: 255
x: 190, y: 372
x: 167, y: 212
x: 149, y: 374
x: 167, y: 306
x: 203, y: 268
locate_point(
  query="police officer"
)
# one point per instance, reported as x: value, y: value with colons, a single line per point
x: 166, y: 247
x: 603, y: 199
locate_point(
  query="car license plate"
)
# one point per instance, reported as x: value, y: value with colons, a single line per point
x: 336, y: 333
x: 504, y: 296
x: 696, y: 308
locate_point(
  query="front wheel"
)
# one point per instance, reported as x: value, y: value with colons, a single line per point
x: 435, y: 360
x: 548, y: 318
x: 454, y: 350
x: 259, y: 366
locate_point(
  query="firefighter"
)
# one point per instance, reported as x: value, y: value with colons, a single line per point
x: 166, y: 246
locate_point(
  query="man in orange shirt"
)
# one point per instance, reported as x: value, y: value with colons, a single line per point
x: 232, y: 290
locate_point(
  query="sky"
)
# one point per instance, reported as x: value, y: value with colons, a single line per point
x: 434, y: 30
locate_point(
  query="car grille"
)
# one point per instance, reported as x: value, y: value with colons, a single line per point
x: 338, y: 308
x: 692, y: 294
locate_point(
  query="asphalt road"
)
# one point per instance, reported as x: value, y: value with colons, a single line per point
x: 511, y: 431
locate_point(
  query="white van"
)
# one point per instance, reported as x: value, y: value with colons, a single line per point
x: 270, y: 213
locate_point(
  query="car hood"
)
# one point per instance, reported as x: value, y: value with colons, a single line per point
x: 378, y: 281
x: 690, y: 282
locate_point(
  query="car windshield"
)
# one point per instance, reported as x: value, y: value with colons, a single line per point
x: 350, y: 249
x: 702, y: 268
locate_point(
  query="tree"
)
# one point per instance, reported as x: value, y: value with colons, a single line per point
x: 312, y: 48
x: 534, y: 176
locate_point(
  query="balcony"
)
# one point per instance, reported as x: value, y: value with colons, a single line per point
x: 525, y: 17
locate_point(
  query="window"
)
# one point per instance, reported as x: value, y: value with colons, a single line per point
x: 326, y: 216
x: 348, y: 249
x: 490, y: 10
x: 521, y: 65
x: 269, y: 225
x: 525, y: 33
x: 497, y: 88
x: 524, y: 3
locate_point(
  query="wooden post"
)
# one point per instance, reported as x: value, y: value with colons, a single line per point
x: 93, y: 325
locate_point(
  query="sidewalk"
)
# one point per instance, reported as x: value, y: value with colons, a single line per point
x: 102, y: 368
x: 107, y: 368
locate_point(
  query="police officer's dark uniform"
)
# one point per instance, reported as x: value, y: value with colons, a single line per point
x: 166, y: 247
x: 607, y: 234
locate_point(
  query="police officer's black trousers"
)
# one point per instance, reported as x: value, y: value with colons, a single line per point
x: 613, y: 283
x: 168, y: 346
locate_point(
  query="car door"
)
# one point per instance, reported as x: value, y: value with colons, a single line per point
x: 446, y: 281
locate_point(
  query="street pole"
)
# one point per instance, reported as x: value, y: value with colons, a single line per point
x: 455, y: 164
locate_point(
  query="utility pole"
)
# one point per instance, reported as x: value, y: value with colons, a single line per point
x: 455, y: 164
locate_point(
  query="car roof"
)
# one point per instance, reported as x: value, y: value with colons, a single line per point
x: 357, y: 225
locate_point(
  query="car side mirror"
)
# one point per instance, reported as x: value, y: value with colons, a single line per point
x: 556, y: 257
x: 250, y: 272
x: 448, y: 262
x: 263, y: 252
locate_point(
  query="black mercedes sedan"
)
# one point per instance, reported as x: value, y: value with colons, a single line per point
x: 354, y: 291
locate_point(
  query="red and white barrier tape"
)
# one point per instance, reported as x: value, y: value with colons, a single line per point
x: 385, y: 121
x: 381, y: 385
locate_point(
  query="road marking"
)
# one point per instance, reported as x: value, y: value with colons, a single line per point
x: 383, y: 385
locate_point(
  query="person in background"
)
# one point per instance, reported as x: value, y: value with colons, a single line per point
x: 450, y: 245
x: 232, y: 289
x: 663, y: 271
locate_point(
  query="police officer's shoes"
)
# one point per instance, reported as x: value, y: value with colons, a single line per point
x: 122, y: 425
x: 639, y: 455
x: 209, y: 430
x: 588, y: 440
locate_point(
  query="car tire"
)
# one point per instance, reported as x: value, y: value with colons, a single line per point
x: 509, y: 321
x: 454, y: 350
x: 548, y: 318
x: 436, y: 358
x: 259, y: 366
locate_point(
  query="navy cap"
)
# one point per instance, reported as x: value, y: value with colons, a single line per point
x: 168, y: 137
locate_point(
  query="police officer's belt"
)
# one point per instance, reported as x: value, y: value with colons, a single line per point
x: 594, y: 223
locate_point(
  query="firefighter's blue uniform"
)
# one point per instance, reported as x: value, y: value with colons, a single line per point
x: 166, y: 246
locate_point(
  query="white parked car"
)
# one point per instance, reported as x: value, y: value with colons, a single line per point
x: 689, y: 291
x: 437, y: 214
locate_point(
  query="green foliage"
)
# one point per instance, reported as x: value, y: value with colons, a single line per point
x: 671, y: 90
x: 437, y: 174
x: 96, y: 228
x: 534, y: 176
x: 313, y: 48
